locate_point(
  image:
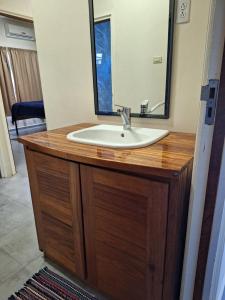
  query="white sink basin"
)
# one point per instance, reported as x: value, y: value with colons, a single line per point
x: 115, y: 137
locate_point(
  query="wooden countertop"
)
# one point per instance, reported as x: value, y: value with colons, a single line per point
x: 166, y: 158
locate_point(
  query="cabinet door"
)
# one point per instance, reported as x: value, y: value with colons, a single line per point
x: 55, y: 188
x: 125, y: 220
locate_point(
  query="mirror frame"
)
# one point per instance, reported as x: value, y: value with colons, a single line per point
x: 166, y: 115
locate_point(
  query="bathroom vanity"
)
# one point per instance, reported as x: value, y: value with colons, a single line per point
x: 116, y: 218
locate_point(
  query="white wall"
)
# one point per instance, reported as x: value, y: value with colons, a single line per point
x: 17, y: 7
x: 66, y: 69
x: 63, y: 44
x: 12, y: 42
x: 139, y: 32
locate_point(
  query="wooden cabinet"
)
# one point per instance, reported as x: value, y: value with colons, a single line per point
x: 114, y: 218
x: 133, y: 227
x: 125, y: 220
x: 55, y: 188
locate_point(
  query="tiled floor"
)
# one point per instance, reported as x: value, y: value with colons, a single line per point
x: 19, y: 254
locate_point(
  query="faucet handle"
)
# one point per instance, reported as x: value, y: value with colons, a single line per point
x: 121, y: 106
x: 124, y: 108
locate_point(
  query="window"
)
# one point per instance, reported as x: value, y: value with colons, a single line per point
x: 103, y: 64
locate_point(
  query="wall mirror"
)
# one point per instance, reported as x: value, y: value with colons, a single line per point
x: 132, y: 55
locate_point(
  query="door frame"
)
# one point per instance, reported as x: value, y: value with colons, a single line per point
x: 7, y: 165
x: 214, y: 283
x: 212, y: 187
x: 204, y: 138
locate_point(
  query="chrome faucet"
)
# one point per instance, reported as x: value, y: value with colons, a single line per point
x: 125, y: 113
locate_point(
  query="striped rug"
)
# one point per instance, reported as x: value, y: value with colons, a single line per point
x: 47, y: 285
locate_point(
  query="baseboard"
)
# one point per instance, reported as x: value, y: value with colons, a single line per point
x: 28, y: 126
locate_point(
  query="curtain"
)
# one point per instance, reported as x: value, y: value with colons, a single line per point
x: 6, y: 84
x: 26, y: 74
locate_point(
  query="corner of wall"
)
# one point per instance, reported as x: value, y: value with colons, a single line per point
x: 7, y: 166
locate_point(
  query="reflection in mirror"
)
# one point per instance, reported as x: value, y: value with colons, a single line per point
x: 132, y: 53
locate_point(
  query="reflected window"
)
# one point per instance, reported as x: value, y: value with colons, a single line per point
x: 103, y: 64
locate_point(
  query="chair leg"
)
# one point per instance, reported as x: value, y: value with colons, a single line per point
x: 17, y: 132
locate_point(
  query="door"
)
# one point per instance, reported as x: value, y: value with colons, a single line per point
x: 125, y: 219
x: 55, y: 189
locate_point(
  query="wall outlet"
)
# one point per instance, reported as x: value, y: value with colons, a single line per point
x: 183, y: 11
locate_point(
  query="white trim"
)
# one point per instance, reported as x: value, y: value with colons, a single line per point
x: 215, y: 274
x: 28, y: 126
x: 11, y: 14
x: 213, y: 60
x: 213, y: 285
x: 102, y: 18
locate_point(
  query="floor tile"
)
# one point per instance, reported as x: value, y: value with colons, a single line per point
x: 20, y: 257
x: 13, y: 216
x: 21, y: 244
x: 8, y: 266
x: 20, y: 195
x: 35, y: 265
x: 3, y: 199
x: 13, y: 284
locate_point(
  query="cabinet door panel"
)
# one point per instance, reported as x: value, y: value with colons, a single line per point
x: 59, y: 244
x: 125, y: 220
x: 55, y: 187
x: 53, y: 176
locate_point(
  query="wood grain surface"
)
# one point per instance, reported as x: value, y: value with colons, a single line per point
x: 125, y: 231
x: 166, y: 158
x: 56, y: 197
